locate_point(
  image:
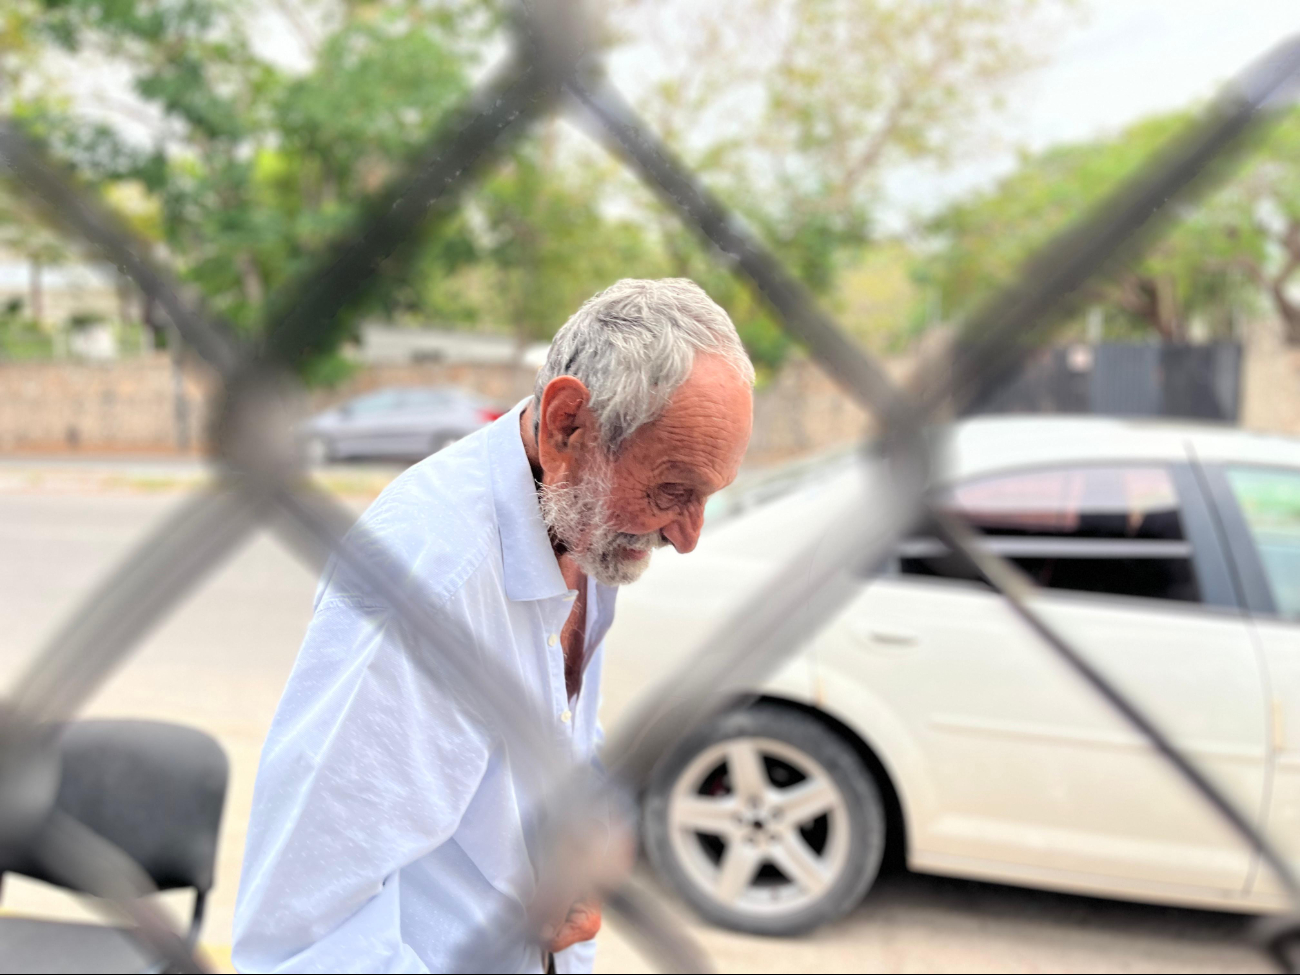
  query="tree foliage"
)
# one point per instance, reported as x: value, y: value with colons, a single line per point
x: 1203, y: 271
x: 796, y: 108
x: 1260, y: 216
x: 792, y: 109
x: 548, y: 238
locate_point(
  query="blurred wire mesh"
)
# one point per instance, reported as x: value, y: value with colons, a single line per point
x: 554, y: 66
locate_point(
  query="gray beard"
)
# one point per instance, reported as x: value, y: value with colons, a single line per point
x: 578, y: 516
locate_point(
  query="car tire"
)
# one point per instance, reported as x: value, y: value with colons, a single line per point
x: 802, y: 874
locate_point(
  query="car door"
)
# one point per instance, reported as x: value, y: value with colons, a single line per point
x: 1260, y: 511
x: 1011, y: 766
x: 366, y: 424
x: 425, y: 418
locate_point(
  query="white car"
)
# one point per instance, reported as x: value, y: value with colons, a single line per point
x: 925, y: 718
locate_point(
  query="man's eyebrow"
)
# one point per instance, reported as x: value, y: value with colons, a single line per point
x: 676, y: 468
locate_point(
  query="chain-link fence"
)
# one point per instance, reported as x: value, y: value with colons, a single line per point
x: 555, y: 66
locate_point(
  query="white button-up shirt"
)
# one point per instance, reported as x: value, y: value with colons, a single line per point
x: 388, y: 827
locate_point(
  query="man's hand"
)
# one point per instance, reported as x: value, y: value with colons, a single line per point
x: 597, y: 858
x: 581, y: 925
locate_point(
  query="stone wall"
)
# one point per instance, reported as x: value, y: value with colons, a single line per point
x: 801, y: 411
x: 130, y: 406
x: 1270, y: 381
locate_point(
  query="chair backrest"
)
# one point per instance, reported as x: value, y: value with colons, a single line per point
x: 154, y: 790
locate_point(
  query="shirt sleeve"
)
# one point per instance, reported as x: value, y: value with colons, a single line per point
x: 368, y: 767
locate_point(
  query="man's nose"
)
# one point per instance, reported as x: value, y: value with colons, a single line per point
x: 683, y: 532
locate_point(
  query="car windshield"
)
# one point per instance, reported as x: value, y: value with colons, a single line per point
x: 753, y: 489
x: 385, y: 399
x: 426, y: 398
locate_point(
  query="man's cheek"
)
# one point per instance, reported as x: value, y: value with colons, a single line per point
x: 641, y: 518
x: 625, y: 524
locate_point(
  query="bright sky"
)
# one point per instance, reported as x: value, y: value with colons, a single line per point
x: 1135, y: 57
x: 1125, y: 60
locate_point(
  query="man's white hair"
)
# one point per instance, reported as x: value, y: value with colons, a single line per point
x: 633, y: 344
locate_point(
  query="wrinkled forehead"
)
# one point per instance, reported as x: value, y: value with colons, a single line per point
x: 701, y: 435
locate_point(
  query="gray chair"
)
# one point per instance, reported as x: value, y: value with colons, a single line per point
x: 153, y: 790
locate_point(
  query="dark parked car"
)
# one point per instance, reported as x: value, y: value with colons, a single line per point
x: 397, y: 423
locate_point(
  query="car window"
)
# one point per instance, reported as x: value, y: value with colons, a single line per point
x: 1108, y: 529
x: 1270, y: 501
x: 425, y: 398
x: 385, y: 399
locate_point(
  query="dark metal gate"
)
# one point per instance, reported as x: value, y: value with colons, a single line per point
x: 1201, y: 382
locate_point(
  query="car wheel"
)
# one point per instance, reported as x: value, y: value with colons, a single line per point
x: 318, y: 452
x: 766, y: 821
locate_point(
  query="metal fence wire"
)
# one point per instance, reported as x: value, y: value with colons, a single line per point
x: 554, y: 66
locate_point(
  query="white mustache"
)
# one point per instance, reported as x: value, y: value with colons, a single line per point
x: 643, y: 543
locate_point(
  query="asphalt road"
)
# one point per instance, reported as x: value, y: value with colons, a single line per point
x: 219, y: 663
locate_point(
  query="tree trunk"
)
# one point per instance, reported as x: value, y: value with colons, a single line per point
x: 153, y: 324
x: 1287, y: 309
x: 250, y: 278
x: 124, y: 310
x: 180, y: 402
x: 1155, y: 301
x: 35, y: 292
x: 1168, y: 323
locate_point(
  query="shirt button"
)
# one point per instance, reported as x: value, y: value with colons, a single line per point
x: 566, y: 717
x: 552, y: 640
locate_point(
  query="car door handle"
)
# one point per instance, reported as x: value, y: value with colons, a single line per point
x: 886, y: 636
x: 899, y: 638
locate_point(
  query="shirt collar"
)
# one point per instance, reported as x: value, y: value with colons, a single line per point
x: 528, y: 561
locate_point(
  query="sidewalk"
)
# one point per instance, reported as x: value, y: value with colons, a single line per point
x: 65, y: 474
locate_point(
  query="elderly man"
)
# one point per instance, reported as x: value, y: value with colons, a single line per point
x: 388, y: 827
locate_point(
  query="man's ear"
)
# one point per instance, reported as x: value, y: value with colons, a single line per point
x: 565, y: 425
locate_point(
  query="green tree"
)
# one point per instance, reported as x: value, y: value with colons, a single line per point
x: 1192, y: 272
x: 254, y: 170
x: 795, y: 109
x: 792, y: 109
x: 548, y: 241
x: 1259, y: 213
x: 24, y: 235
x: 19, y: 46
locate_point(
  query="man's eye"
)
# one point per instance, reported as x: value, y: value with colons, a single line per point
x: 674, y: 494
